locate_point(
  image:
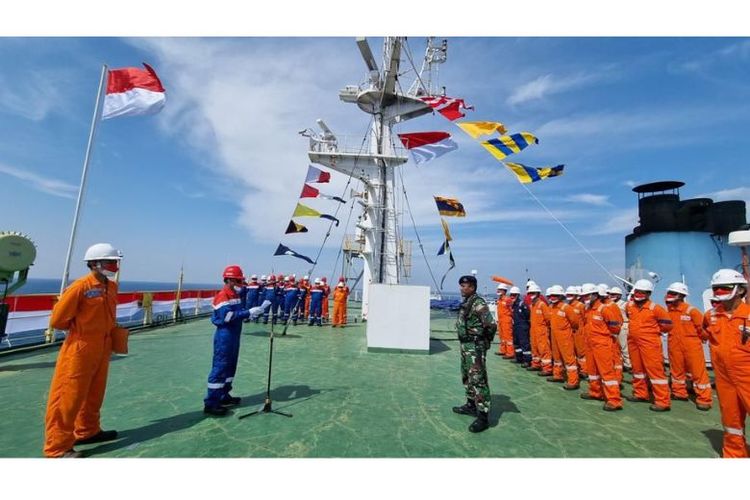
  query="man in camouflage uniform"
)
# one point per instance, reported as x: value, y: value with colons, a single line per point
x: 476, y: 328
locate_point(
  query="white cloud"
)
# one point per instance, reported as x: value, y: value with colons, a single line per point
x: 621, y: 222
x: 40, y: 183
x: 599, y: 200
x: 550, y: 84
x: 739, y: 193
x: 32, y: 95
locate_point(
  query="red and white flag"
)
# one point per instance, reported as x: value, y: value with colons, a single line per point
x: 133, y: 92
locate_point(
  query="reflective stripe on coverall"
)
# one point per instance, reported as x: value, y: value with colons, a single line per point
x: 316, y: 304
x: 227, y: 315
x: 730, y: 357
x: 540, y: 336
x: 644, y: 343
x: 563, y: 320
x: 521, y: 341
x: 686, y: 351
x: 616, y: 352
x: 579, y: 336
x: 505, y: 326
x: 601, y: 325
x: 87, y: 310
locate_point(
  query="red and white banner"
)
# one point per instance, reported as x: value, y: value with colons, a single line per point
x: 133, y: 92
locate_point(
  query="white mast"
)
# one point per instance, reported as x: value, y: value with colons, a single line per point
x: 375, y: 166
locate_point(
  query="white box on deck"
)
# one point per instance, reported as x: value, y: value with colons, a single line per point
x: 398, y: 318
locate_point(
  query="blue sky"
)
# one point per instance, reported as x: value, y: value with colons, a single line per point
x: 213, y: 179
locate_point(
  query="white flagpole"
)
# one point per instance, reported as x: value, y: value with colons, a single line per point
x: 82, y: 188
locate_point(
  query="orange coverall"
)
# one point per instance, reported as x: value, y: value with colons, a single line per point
x: 340, y: 294
x: 686, y: 351
x: 563, y: 320
x: 326, y: 295
x: 647, y: 321
x: 579, y: 336
x: 601, y: 326
x: 540, y: 336
x: 731, y: 361
x: 308, y: 287
x: 505, y: 326
x: 616, y: 351
x: 87, y: 310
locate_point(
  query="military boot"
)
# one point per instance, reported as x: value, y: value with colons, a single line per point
x: 470, y: 408
x: 481, y: 423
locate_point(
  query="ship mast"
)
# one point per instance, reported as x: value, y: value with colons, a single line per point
x: 381, y: 97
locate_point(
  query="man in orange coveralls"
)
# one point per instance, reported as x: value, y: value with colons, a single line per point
x: 87, y: 310
x: 601, y: 326
x: 647, y: 322
x: 340, y: 295
x: 326, y: 294
x: 540, y: 332
x: 504, y: 306
x: 686, y: 348
x: 563, y: 319
x: 728, y: 327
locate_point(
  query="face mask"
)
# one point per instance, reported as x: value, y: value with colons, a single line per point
x: 724, y: 294
x: 570, y: 298
x: 671, y: 297
x: 639, y: 296
x: 237, y: 288
x: 554, y: 299
x: 108, y: 269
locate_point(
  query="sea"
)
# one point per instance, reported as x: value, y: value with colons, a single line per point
x: 45, y: 285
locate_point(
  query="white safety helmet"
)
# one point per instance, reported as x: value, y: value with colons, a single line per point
x: 264, y: 278
x: 678, y: 287
x: 571, y: 290
x: 533, y: 288
x: 579, y: 290
x: 502, y: 286
x: 305, y: 277
x: 603, y: 289
x: 340, y: 285
x: 514, y: 290
x: 643, y: 286
x: 102, y: 251
x: 589, y: 288
x: 724, y: 278
x: 615, y: 290
x: 555, y: 290
x: 254, y: 277
x: 531, y: 283
x: 317, y: 281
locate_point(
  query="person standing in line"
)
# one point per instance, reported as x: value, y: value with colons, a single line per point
x: 521, y: 328
x: 728, y: 328
x: 504, y: 322
x: 563, y: 320
x: 87, y: 309
x: 647, y: 322
x: 686, y: 348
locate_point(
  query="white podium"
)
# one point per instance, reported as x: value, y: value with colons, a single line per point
x: 398, y: 319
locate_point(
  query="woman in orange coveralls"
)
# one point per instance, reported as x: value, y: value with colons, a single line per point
x: 87, y: 310
x: 728, y: 327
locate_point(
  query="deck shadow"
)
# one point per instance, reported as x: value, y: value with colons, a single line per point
x: 265, y: 334
x: 437, y: 346
x: 501, y: 404
x: 716, y: 438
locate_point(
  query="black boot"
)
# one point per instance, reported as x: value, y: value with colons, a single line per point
x: 230, y: 401
x: 99, y: 437
x: 468, y: 409
x: 217, y: 411
x: 481, y: 423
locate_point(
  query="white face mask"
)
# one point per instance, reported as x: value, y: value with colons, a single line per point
x: 108, y: 274
x: 237, y: 288
x: 723, y: 296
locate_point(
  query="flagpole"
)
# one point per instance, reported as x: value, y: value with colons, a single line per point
x: 82, y: 187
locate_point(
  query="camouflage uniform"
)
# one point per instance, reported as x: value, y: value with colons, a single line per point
x: 474, y: 349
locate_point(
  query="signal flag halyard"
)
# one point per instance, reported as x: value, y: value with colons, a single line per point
x: 133, y: 92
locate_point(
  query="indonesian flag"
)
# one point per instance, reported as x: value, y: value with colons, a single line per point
x: 133, y: 92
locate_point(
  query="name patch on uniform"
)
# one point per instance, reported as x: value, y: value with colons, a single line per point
x: 93, y: 292
x: 561, y: 313
x: 685, y: 318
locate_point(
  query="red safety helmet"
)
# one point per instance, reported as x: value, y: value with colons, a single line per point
x: 233, y: 272
x: 323, y: 279
x: 341, y: 278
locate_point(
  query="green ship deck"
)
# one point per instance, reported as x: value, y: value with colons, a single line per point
x: 345, y: 401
